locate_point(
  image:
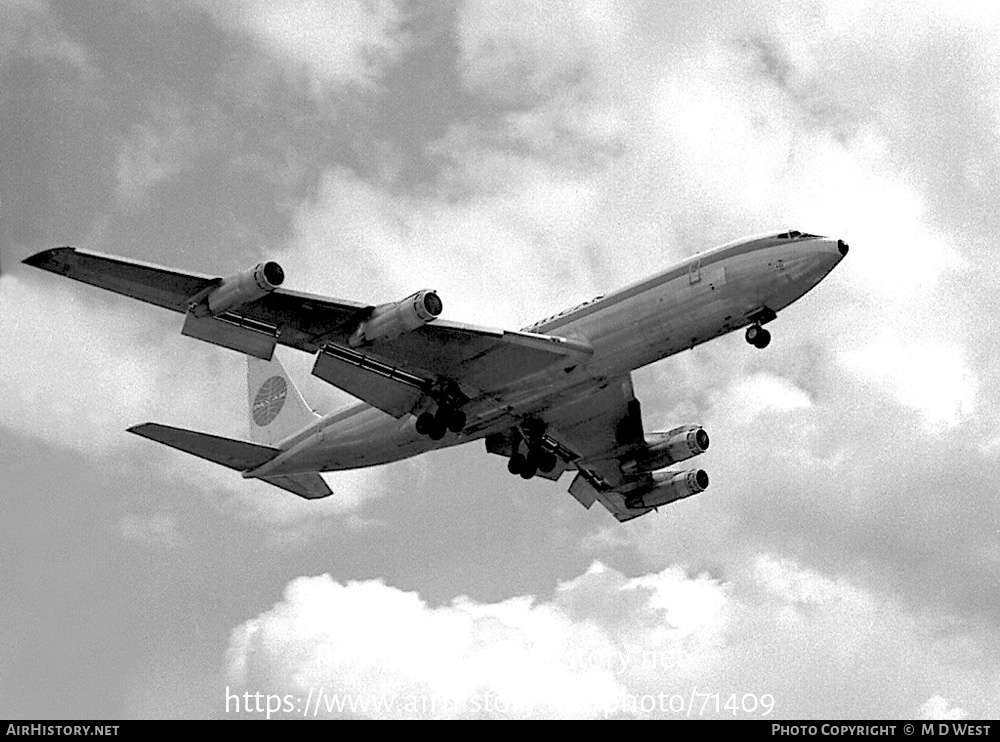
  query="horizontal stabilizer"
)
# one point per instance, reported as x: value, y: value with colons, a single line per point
x: 309, y: 485
x: 238, y: 455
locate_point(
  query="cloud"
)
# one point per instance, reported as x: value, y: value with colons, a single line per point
x: 934, y: 379
x: 158, y: 530
x: 603, y: 644
x: 366, y: 242
x: 70, y: 368
x: 28, y: 28
x: 937, y: 707
x: 335, y: 43
x: 762, y: 393
x: 168, y: 141
x: 521, y: 51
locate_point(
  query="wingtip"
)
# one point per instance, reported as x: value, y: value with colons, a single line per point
x: 47, y: 258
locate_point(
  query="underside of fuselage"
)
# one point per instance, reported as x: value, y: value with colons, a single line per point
x: 707, y: 296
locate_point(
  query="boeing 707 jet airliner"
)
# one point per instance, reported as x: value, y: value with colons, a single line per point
x: 552, y: 397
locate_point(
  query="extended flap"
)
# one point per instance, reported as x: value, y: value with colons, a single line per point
x: 252, y: 341
x: 583, y: 491
x: 397, y: 395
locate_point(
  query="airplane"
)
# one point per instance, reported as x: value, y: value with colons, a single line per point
x: 553, y: 397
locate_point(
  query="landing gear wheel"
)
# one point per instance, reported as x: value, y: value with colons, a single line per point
x: 547, y: 462
x: 515, y: 463
x: 758, y: 337
x: 455, y: 420
x: 425, y: 423
x: 436, y: 431
x: 529, y: 469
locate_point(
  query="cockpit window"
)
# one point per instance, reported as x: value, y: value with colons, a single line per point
x: 795, y: 235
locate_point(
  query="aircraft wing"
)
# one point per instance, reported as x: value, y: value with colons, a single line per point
x: 298, y: 318
x: 601, y: 428
x: 392, y: 375
x: 591, y: 430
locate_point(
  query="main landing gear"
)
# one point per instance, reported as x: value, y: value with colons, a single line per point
x: 536, y: 458
x: 534, y: 461
x: 757, y: 336
x: 434, y: 426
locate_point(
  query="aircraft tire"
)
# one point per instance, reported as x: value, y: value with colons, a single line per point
x: 455, y: 420
x: 547, y: 462
x: 425, y: 423
x: 762, y: 340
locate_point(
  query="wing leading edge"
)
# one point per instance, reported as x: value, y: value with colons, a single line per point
x: 397, y: 376
x: 291, y: 318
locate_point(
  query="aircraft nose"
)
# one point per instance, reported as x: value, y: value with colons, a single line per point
x: 832, y: 248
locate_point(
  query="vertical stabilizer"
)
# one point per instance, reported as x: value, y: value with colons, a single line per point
x: 277, y: 409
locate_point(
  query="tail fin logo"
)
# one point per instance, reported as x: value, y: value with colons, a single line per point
x: 269, y: 400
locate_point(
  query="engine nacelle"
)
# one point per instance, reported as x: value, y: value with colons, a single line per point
x: 389, y: 321
x: 666, y: 487
x: 245, y: 287
x: 671, y: 447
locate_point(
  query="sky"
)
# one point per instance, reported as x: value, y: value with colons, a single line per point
x: 519, y: 158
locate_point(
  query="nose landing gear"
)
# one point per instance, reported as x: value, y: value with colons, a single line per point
x: 757, y: 336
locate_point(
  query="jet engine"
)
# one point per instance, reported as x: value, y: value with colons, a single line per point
x: 671, y: 447
x: 389, y: 321
x: 667, y: 486
x: 245, y: 287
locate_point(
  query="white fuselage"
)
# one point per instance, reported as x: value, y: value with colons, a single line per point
x: 703, y: 297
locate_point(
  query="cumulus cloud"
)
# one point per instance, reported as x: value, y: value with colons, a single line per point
x: 603, y: 645
x: 28, y: 28
x: 371, y: 244
x: 523, y: 51
x: 937, y: 707
x: 934, y: 379
x: 168, y: 141
x: 762, y: 393
x: 344, y: 42
x: 70, y: 368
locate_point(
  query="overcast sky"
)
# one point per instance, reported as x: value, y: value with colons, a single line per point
x: 519, y: 157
